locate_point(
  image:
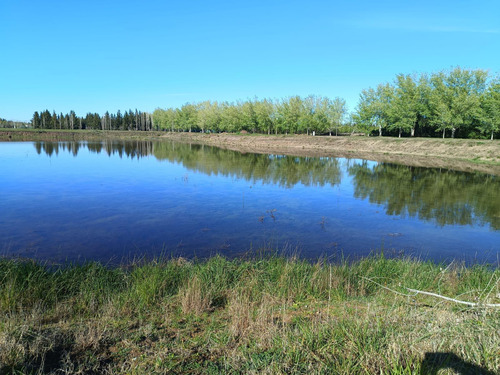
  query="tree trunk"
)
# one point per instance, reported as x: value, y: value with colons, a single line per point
x: 492, y: 135
x: 453, y: 132
x: 444, y: 130
x: 412, y: 132
x: 380, y: 131
x: 399, y: 133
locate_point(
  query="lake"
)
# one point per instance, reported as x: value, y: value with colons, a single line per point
x: 114, y: 201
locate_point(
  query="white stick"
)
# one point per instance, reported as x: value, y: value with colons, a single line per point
x: 474, y: 304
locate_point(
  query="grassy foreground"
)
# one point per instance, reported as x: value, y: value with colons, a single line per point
x: 267, y: 314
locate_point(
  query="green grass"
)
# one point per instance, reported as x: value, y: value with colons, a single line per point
x: 267, y: 314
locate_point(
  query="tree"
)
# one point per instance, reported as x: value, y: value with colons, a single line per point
x: 36, y: 122
x: 248, y: 116
x: 291, y: 115
x: 118, y: 120
x: 72, y: 117
x: 336, y: 111
x: 230, y: 117
x: 53, y: 120
x: 208, y: 115
x: 455, y: 98
x: 187, y: 116
x: 264, y: 115
x: 171, y: 118
x: 405, y: 106
x: 374, y: 105
x: 490, y: 110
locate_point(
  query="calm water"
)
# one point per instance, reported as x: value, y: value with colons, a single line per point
x: 116, y: 200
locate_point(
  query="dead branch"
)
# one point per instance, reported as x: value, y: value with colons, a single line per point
x: 473, y: 304
x: 415, y: 292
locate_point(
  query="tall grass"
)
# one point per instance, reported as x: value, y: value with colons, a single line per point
x: 268, y: 314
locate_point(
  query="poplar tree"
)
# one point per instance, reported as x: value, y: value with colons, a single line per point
x: 490, y: 114
x: 455, y: 98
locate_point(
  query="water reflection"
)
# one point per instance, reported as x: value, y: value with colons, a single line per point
x: 109, y: 199
x: 130, y: 149
x: 285, y: 171
x: 445, y: 196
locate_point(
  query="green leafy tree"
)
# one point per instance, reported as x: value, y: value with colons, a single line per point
x: 404, y: 108
x: 490, y: 114
x: 291, y: 115
x: 374, y: 107
x: 336, y: 111
x: 230, y: 118
x: 188, y: 117
x: 208, y: 115
x: 311, y: 117
x: 264, y: 113
x: 455, y: 99
x: 248, y: 117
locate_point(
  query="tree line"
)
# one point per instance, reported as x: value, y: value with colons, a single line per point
x: 292, y: 115
x: 459, y: 103
x: 462, y: 103
x: 13, y: 124
x: 127, y: 121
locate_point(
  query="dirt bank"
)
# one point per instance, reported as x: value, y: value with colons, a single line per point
x: 459, y: 154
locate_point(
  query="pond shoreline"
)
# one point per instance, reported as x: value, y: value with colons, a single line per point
x: 459, y: 154
x: 468, y: 155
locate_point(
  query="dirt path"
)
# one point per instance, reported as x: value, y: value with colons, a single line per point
x: 459, y: 154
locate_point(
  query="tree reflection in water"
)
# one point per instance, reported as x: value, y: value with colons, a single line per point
x: 446, y: 197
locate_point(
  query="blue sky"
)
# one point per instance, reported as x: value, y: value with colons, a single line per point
x: 93, y: 56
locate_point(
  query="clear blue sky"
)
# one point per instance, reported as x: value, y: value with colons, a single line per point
x: 93, y: 56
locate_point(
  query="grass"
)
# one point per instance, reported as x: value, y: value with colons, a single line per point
x: 478, y: 160
x: 267, y: 314
x: 20, y: 135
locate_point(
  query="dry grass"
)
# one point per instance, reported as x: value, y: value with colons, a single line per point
x: 192, y: 298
